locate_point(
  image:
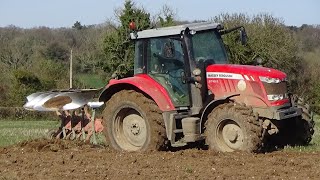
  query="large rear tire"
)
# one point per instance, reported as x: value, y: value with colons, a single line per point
x: 233, y: 127
x: 134, y: 122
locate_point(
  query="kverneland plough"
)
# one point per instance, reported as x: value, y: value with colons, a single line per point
x: 72, y: 106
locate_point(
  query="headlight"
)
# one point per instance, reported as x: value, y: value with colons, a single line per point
x: 269, y: 80
x: 276, y: 97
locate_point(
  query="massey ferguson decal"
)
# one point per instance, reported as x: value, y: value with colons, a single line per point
x: 221, y: 75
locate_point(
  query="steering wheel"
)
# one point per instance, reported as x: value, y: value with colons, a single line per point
x: 165, y: 60
x: 206, y: 61
x: 200, y: 59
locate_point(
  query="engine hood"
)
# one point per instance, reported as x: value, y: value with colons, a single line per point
x: 246, y: 70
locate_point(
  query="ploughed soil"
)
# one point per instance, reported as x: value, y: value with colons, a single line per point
x: 59, y: 159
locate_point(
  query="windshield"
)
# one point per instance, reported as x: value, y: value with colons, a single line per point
x: 207, y: 45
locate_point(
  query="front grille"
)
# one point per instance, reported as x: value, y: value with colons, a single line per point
x: 276, y: 88
x: 256, y: 87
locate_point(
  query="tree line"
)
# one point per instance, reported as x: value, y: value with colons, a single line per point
x: 37, y: 59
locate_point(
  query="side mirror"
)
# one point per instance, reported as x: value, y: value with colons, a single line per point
x: 243, y: 36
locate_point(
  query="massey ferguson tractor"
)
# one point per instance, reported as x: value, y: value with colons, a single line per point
x: 184, y: 91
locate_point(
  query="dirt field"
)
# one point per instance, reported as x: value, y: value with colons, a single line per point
x: 47, y: 159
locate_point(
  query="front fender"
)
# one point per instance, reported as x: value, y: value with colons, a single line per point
x: 142, y: 83
x: 249, y: 100
x: 215, y: 103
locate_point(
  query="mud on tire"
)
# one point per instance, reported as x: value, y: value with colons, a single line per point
x: 231, y: 127
x: 133, y: 122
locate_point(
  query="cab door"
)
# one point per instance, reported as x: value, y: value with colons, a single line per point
x: 166, y: 65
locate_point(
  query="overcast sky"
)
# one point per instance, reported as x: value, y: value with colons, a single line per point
x: 63, y: 13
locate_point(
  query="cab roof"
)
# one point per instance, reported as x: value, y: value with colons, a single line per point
x: 174, y: 30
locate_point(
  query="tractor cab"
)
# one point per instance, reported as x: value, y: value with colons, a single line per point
x: 170, y: 55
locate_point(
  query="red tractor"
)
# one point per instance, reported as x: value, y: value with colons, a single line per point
x: 184, y: 91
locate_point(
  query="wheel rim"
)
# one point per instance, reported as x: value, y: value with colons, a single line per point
x: 130, y: 130
x: 230, y: 135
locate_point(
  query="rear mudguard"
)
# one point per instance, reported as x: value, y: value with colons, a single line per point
x: 142, y: 83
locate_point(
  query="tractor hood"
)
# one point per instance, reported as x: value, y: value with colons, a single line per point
x: 243, y: 70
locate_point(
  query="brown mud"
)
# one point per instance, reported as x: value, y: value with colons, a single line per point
x: 59, y: 159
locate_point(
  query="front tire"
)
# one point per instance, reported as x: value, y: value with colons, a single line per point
x: 297, y: 131
x: 233, y: 127
x: 305, y: 123
x: 134, y: 122
x: 304, y: 131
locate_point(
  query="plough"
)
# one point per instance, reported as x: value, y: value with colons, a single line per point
x: 72, y: 107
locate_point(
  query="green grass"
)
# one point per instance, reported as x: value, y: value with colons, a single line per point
x: 91, y: 80
x: 12, y: 132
